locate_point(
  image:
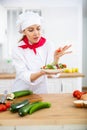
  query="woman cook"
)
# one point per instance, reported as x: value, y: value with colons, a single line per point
x: 31, y: 53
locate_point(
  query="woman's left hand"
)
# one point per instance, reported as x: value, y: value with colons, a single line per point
x: 60, y: 52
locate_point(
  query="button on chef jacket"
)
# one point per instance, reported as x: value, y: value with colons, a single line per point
x: 27, y: 62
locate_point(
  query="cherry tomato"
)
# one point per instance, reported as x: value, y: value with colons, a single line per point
x: 75, y: 93
x: 59, y: 50
x: 79, y: 95
x: 44, y: 67
x: 64, y: 65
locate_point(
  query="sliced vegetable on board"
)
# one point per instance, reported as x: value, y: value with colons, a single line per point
x: 20, y: 93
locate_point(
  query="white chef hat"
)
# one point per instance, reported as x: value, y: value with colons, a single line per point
x: 27, y: 19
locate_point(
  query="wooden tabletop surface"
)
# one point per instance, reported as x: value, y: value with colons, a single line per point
x: 7, y: 75
x: 62, y: 75
x: 61, y: 112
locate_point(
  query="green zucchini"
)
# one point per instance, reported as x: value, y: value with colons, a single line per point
x: 25, y: 110
x: 38, y: 106
x: 22, y: 93
x: 15, y: 107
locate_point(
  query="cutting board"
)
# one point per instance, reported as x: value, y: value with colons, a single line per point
x: 32, y: 98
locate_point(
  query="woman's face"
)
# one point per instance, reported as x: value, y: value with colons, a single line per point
x: 33, y: 33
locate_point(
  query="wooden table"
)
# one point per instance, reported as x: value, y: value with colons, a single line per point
x: 69, y: 75
x: 62, y: 112
x: 7, y: 75
x: 62, y: 75
x: 7, y: 80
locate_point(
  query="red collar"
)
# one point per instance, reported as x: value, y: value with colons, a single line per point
x: 33, y: 46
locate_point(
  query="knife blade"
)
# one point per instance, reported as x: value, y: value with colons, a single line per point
x: 3, y: 97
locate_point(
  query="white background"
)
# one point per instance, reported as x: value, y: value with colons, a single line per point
x: 66, y: 23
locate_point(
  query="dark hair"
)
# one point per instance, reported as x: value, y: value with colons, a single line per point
x: 21, y: 38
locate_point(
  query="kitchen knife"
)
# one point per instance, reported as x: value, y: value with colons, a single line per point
x: 3, y: 97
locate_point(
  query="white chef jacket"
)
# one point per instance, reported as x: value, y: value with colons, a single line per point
x: 27, y: 62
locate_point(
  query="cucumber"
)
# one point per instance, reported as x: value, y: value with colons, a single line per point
x: 38, y: 106
x: 22, y: 93
x: 25, y: 110
x: 15, y: 107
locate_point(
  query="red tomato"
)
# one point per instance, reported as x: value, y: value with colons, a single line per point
x: 59, y: 50
x: 64, y: 65
x: 75, y: 93
x: 79, y: 95
x: 43, y: 67
x: 8, y: 104
x: 3, y: 107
